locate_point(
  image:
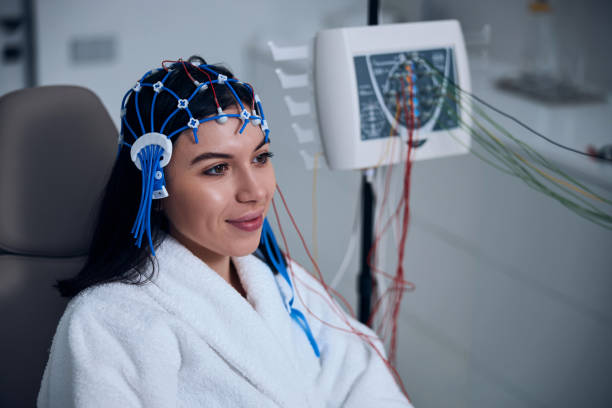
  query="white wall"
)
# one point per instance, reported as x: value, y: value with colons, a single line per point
x: 514, y: 292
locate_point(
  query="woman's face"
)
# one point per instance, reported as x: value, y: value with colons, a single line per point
x: 212, y: 185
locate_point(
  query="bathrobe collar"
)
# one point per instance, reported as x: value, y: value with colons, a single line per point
x: 253, y: 335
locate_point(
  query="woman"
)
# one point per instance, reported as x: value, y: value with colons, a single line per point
x: 204, y: 312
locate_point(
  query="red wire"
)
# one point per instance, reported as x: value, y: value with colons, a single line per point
x: 294, y: 277
x: 399, y: 285
x: 320, y: 276
x: 363, y: 336
x: 164, y: 64
x: 406, y: 216
x: 186, y: 70
x: 211, y: 85
x: 406, y: 285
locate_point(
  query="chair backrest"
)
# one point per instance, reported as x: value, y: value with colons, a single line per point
x: 57, y: 147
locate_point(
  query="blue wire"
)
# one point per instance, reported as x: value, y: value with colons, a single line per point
x: 167, y: 119
x: 275, y: 256
x: 263, y: 118
x: 261, y: 112
x: 231, y: 88
x: 158, y: 154
x: 138, y: 113
x: 125, y: 98
x: 195, y: 135
x: 298, y: 317
x: 155, y: 97
x: 229, y: 115
x: 148, y: 193
x: 172, y: 93
x: 146, y: 74
x: 144, y: 156
x: 129, y: 127
x: 188, y: 112
x: 135, y: 226
x: 248, y: 86
x: 209, y: 70
x: 198, y: 90
x: 243, y: 126
x: 153, y: 110
x: 273, y: 251
x: 177, y: 131
x: 146, y: 164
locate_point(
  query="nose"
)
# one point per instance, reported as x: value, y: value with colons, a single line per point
x: 250, y: 187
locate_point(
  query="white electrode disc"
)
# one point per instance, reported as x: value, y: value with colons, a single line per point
x: 148, y: 139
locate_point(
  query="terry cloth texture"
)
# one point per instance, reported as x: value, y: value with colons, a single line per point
x: 189, y: 339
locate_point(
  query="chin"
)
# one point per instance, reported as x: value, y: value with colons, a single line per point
x: 245, y: 249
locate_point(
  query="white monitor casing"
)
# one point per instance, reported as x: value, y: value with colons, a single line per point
x: 338, y: 96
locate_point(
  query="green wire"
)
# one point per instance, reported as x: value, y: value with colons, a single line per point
x: 526, y: 148
x: 507, y: 157
x: 529, y: 178
x: 540, y: 159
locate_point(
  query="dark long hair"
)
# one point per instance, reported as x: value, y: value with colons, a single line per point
x: 113, y: 256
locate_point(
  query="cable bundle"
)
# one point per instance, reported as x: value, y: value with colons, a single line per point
x: 512, y: 155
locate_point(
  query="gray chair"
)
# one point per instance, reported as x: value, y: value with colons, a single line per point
x: 57, y: 147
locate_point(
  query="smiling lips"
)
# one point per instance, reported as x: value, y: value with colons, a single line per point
x: 249, y: 222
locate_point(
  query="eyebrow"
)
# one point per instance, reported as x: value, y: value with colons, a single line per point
x: 213, y: 155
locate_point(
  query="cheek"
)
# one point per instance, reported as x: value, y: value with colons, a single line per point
x: 192, y: 206
x: 270, y: 182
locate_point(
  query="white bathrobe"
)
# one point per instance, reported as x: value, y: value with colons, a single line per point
x: 189, y: 339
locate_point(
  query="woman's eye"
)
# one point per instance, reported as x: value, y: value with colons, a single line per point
x: 216, y: 170
x: 220, y: 169
x: 263, y: 158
